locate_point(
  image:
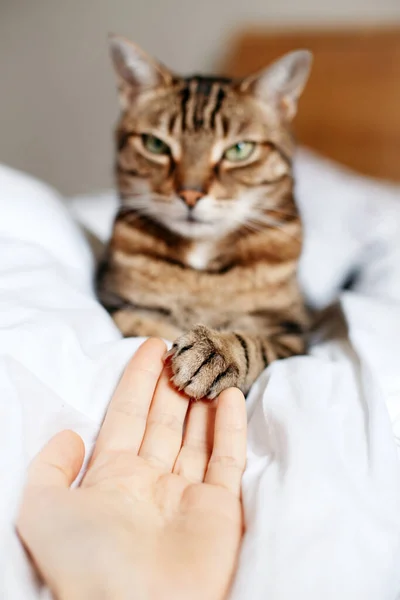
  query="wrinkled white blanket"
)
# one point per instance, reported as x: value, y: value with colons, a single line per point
x: 322, y: 486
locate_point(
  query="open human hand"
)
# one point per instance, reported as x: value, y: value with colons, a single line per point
x: 158, y: 513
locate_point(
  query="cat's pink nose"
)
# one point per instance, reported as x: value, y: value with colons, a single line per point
x: 190, y: 197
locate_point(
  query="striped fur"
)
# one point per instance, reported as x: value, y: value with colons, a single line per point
x: 204, y: 251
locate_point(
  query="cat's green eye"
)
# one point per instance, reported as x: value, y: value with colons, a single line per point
x: 154, y: 145
x: 240, y: 151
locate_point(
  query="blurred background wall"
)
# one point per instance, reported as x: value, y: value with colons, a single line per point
x: 57, y: 96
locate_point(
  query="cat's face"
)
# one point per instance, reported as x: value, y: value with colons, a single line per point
x: 205, y: 156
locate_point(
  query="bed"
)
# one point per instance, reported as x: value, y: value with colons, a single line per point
x: 321, y: 490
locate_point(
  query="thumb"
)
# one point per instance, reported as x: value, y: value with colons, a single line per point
x: 58, y: 463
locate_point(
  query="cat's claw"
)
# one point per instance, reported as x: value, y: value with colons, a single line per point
x: 202, y: 363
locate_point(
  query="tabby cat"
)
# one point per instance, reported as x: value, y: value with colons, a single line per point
x: 205, y: 246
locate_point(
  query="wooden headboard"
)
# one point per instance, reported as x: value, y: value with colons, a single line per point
x: 350, y: 110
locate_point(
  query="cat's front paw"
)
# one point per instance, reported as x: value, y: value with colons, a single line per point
x: 203, y: 363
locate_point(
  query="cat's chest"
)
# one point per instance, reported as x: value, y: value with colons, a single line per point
x: 200, y: 255
x: 154, y: 281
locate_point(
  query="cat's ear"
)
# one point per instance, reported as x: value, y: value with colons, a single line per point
x: 136, y: 70
x: 282, y: 83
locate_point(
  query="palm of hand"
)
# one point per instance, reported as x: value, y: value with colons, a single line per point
x: 164, y: 494
x: 187, y: 525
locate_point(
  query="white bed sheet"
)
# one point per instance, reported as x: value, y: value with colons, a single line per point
x: 322, y: 486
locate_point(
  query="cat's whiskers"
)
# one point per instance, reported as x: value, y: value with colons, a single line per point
x: 251, y: 226
x: 254, y: 222
x: 143, y: 204
x: 147, y: 196
x: 260, y: 222
x: 139, y: 205
x: 284, y: 213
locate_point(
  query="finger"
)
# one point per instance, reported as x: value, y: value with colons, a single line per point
x: 125, y: 420
x: 197, y: 442
x: 58, y: 463
x: 164, y: 430
x: 50, y: 474
x: 228, y: 458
